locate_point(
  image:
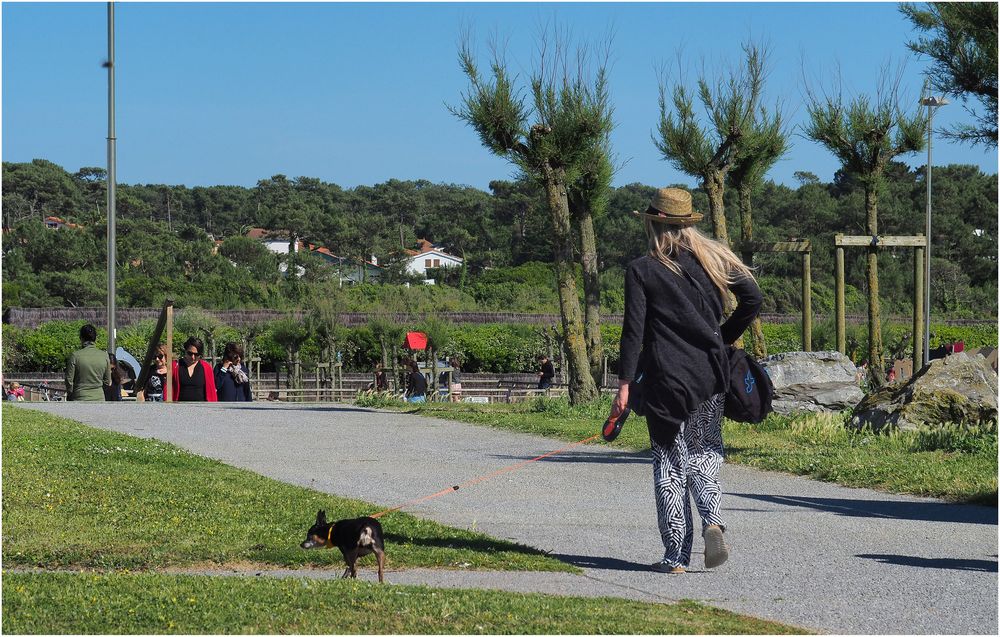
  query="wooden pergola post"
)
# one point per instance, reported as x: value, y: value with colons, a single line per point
x: 839, y: 301
x: 806, y: 303
x: 918, y: 243
x: 918, y: 308
x: 168, y: 391
x: 806, y: 249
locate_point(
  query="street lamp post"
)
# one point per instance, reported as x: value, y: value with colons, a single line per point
x: 932, y: 103
x: 111, y: 179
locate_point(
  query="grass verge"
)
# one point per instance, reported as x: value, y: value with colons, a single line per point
x: 950, y: 462
x: 82, y: 497
x: 171, y: 604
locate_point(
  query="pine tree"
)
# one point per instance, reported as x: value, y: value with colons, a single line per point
x: 707, y: 153
x: 572, y: 114
x: 865, y: 135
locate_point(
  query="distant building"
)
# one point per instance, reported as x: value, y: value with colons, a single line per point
x: 350, y: 270
x: 428, y: 256
x: 57, y: 223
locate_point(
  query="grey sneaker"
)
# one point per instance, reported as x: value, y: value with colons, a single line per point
x: 716, y: 550
x: 664, y: 567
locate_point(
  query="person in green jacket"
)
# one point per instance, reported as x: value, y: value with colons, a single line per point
x: 88, y: 370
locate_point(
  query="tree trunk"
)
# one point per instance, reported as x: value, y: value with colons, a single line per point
x: 581, y: 383
x: 757, y: 345
x: 876, y: 369
x: 591, y: 289
x: 714, y: 183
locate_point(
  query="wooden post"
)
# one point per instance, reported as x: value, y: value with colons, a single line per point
x: 839, y: 303
x: 918, y: 308
x: 168, y: 391
x: 872, y: 243
x: 806, y: 303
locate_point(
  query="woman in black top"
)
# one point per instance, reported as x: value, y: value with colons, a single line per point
x: 674, y: 337
x: 416, y: 384
x: 194, y: 379
x: 157, y: 376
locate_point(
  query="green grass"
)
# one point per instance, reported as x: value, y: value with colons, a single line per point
x: 75, y: 496
x: 954, y: 463
x: 159, y: 604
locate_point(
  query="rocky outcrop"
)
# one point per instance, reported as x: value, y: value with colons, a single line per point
x: 812, y: 381
x: 956, y: 389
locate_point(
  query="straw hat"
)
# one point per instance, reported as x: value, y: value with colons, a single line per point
x: 672, y: 206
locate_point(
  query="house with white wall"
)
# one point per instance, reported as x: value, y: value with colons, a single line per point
x: 428, y: 256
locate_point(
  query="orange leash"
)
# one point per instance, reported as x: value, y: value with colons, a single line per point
x: 483, y: 478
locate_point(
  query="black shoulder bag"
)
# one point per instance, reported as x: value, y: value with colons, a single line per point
x: 750, y: 391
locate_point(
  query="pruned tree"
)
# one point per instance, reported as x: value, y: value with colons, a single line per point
x: 439, y: 335
x: 865, y: 134
x: 707, y: 152
x: 571, y: 113
x: 588, y: 198
x: 961, y: 40
x: 764, y: 141
x: 291, y: 334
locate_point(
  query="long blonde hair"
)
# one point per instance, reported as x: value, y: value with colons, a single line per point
x: 721, y: 264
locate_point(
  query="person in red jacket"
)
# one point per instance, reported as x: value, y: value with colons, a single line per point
x: 194, y: 380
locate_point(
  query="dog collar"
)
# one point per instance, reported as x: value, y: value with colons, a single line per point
x: 329, y: 537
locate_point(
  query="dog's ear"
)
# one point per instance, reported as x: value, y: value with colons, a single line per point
x: 321, y: 517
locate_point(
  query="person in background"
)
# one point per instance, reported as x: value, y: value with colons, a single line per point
x: 114, y: 390
x: 416, y: 384
x: 546, y: 372
x: 381, y: 382
x: 194, y: 380
x: 157, y: 381
x: 16, y: 392
x: 88, y: 370
x: 232, y: 378
x: 675, y: 301
x: 455, y: 388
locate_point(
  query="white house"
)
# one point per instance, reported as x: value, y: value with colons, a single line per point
x: 428, y: 256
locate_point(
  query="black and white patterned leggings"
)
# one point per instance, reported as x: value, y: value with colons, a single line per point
x: 692, y: 465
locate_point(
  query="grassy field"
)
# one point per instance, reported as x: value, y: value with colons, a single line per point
x: 82, y: 497
x: 108, y: 504
x: 158, y: 604
x: 953, y: 463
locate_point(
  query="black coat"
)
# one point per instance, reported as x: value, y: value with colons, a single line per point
x: 678, y: 331
x: 227, y: 389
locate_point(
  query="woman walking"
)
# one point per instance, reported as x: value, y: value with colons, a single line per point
x: 674, y: 302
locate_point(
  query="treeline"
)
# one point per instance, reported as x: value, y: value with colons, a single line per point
x: 166, y: 240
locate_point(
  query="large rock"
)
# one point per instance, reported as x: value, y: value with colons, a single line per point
x: 955, y: 389
x: 812, y: 381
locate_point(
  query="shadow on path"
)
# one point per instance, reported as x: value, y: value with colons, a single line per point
x: 587, y: 457
x: 602, y: 563
x: 482, y: 545
x: 888, y: 509
x: 983, y: 566
x: 305, y: 407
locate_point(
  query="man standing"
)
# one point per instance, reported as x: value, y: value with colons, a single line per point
x: 88, y: 370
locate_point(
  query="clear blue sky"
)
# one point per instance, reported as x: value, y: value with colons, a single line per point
x: 230, y: 93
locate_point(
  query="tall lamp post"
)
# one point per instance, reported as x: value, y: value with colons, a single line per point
x: 111, y: 178
x: 932, y: 103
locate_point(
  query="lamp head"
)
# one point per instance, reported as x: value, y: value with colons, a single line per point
x: 934, y: 101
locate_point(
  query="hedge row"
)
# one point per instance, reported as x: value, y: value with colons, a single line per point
x: 495, y: 348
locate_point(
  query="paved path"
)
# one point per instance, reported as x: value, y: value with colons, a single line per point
x: 811, y: 554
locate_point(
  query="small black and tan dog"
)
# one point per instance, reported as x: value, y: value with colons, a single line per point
x: 355, y: 538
